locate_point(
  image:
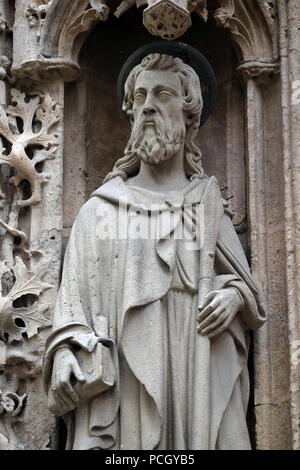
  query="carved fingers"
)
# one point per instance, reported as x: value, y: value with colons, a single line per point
x: 65, y: 368
x: 218, y: 310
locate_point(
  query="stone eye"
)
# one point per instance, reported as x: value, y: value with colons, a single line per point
x: 139, y: 97
x: 164, y: 95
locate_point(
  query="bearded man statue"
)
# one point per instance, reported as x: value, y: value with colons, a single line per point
x: 151, y: 330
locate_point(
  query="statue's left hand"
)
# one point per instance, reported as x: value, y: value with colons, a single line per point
x: 218, y: 311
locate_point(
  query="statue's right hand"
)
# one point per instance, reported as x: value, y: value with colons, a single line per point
x: 65, y: 366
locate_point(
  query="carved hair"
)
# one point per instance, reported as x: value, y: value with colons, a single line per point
x: 192, y: 104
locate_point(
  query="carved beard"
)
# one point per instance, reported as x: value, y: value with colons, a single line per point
x: 156, y: 143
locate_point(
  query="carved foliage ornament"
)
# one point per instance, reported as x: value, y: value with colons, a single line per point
x: 17, y: 320
x: 36, y: 14
x: 11, y: 404
x: 38, y: 118
x: 29, y: 137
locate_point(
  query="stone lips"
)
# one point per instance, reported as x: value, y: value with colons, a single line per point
x: 190, y: 56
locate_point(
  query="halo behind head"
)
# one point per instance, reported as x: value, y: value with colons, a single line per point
x: 190, y: 56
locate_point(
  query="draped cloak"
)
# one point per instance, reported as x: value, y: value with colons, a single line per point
x: 144, y: 291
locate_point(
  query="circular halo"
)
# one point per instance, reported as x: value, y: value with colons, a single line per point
x: 190, y: 56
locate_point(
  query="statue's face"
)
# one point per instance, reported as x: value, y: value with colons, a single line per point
x: 159, y: 92
x: 159, y: 125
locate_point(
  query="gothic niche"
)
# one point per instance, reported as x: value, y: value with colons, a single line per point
x: 92, y: 144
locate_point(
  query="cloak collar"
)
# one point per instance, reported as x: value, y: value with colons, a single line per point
x: 116, y: 191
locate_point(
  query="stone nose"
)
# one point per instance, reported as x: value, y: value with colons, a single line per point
x: 149, y: 106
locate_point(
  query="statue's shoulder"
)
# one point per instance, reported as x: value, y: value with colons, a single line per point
x: 107, y: 195
x: 112, y: 190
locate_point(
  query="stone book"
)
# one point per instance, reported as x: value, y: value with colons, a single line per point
x: 98, y: 370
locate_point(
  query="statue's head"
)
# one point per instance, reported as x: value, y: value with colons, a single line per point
x: 163, y: 101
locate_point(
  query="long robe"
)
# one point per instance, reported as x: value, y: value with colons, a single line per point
x: 144, y: 289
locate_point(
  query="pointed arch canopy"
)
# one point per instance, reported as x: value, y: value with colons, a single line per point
x: 250, y: 23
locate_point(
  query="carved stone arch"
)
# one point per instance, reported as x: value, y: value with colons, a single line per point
x: 253, y: 29
x: 67, y: 25
x: 55, y: 41
x: 250, y: 23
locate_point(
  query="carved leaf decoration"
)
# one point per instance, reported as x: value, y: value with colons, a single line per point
x: 26, y: 282
x: 11, y: 404
x: 33, y: 318
x: 48, y: 115
x: 36, y: 13
x: 22, y: 109
x: 38, y: 115
x: 30, y: 318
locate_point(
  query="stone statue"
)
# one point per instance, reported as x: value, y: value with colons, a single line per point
x: 150, y: 334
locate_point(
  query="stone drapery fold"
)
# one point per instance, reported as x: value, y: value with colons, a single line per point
x: 127, y: 280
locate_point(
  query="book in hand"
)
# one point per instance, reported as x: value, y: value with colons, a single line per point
x: 99, y: 371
